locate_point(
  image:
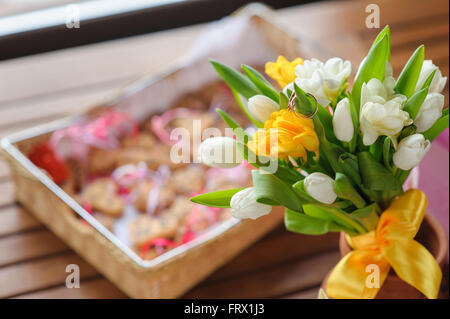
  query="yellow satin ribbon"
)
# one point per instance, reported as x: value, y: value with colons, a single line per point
x: 391, y: 244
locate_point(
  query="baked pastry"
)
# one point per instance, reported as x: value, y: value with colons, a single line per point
x: 102, y: 195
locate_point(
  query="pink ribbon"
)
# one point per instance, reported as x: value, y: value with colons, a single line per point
x: 103, y: 132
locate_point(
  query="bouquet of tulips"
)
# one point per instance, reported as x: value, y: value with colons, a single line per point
x: 336, y: 158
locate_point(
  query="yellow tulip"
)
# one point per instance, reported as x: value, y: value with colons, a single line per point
x: 285, y: 134
x: 282, y: 71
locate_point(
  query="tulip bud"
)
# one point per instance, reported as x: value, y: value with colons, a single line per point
x: 320, y: 187
x: 219, y: 152
x: 342, y: 121
x: 429, y: 112
x: 244, y: 205
x: 437, y: 83
x: 410, y: 151
x: 260, y: 107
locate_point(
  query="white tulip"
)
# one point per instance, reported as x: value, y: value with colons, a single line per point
x: 310, y: 79
x: 382, y: 119
x: 342, y: 121
x: 438, y: 82
x: 388, y: 71
x: 377, y: 92
x: 244, y: 205
x: 336, y: 71
x: 411, y: 151
x: 320, y: 187
x: 429, y: 112
x: 324, y: 81
x: 219, y: 152
x: 260, y: 107
x: 381, y: 110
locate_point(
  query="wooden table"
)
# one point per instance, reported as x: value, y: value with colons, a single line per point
x: 44, y: 87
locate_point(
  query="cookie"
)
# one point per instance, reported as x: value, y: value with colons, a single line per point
x: 165, y: 196
x: 187, y: 180
x: 102, y: 196
x: 159, y: 155
x: 201, y: 218
x: 180, y: 208
x: 142, y: 140
x: 145, y: 228
x: 135, y: 155
x: 102, y: 161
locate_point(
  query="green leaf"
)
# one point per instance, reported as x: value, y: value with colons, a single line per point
x: 271, y: 166
x: 375, y: 176
x: 299, y: 189
x: 413, y: 104
x: 367, y: 216
x: 334, y: 215
x: 237, y: 129
x: 385, y: 32
x: 305, y: 104
x: 350, y: 167
x: 216, y: 199
x: 407, y: 131
x: 344, y: 189
x: 241, y: 103
x: 427, y: 82
x: 437, y: 128
x: 284, y: 101
x: 269, y: 189
x: 403, y: 175
x: 261, y: 83
x: 303, y: 224
x: 373, y: 66
x: 355, y: 120
x: 406, y: 82
x: 376, y: 149
x: 235, y: 80
x: 387, y: 156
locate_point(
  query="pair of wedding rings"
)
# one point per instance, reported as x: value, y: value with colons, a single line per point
x: 291, y: 106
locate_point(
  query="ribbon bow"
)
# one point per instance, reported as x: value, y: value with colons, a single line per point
x: 391, y: 244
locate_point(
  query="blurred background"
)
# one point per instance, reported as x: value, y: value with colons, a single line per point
x: 34, y: 26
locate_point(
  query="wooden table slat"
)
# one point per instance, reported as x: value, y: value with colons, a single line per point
x: 98, y: 288
x: 14, y: 219
x: 40, y: 274
x: 281, y: 280
x: 6, y: 193
x: 29, y: 245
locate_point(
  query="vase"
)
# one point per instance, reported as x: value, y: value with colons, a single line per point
x: 432, y: 235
